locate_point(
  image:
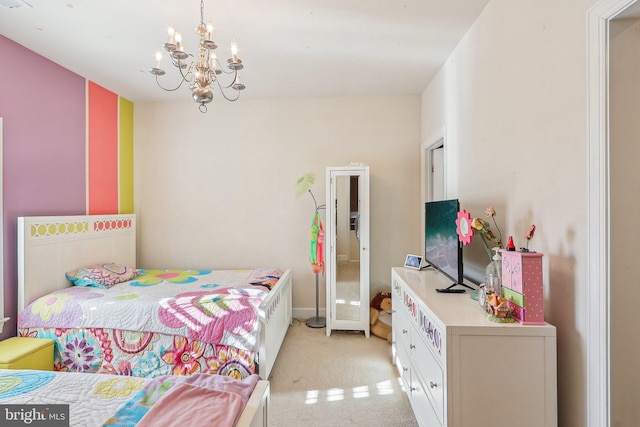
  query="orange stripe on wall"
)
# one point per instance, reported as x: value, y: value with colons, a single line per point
x: 102, y: 148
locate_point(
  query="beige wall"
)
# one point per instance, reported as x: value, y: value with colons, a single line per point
x: 216, y: 189
x: 625, y: 204
x: 513, y: 102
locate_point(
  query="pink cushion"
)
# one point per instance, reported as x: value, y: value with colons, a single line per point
x: 102, y: 275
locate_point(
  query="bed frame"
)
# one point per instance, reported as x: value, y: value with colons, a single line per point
x: 49, y: 246
x: 257, y: 410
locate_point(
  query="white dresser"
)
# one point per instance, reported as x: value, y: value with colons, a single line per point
x: 460, y: 369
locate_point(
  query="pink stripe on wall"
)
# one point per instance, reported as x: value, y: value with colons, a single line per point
x: 102, y: 150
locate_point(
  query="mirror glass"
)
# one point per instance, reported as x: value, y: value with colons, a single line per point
x: 347, y: 303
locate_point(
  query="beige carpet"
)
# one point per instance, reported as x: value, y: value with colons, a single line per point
x: 341, y: 380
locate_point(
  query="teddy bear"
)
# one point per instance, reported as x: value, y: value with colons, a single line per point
x: 380, y: 315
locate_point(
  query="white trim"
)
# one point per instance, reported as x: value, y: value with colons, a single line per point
x: 598, y: 349
x: 426, y: 158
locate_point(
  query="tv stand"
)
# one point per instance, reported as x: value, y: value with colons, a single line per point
x: 453, y: 290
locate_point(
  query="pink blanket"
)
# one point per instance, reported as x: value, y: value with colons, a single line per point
x: 199, y: 399
x: 186, y: 405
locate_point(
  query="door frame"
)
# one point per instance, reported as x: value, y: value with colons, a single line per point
x: 426, y: 159
x: 599, y: 233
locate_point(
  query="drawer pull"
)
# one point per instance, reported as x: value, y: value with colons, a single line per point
x: 411, y: 346
x: 404, y: 369
x: 413, y: 389
x: 404, y: 331
x: 433, y: 385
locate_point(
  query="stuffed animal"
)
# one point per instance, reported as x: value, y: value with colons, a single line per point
x: 380, y: 315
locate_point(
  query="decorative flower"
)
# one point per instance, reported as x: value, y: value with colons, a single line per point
x: 118, y: 387
x: 478, y: 224
x: 304, y: 183
x: 105, y: 342
x: 490, y: 212
x: 185, y: 356
x: 50, y: 305
x: 27, y: 333
x: 124, y: 368
x: 78, y: 355
x: 232, y: 362
x: 464, y: 227
x: 528, y: 236
x: 482, y: 228
x: 153, y: 277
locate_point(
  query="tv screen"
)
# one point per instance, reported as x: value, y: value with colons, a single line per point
x: 442, y: 248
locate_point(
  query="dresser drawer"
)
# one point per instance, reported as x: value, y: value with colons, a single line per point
x: 513, y: 296
x: 526, y: 316
x: 430, y: 376
x: 403, y: 365
x: 423, y: 408
x: 401, y: 327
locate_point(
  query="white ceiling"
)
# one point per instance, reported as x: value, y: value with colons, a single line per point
x: 290, y: 48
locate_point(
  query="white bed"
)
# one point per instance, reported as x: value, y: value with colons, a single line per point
x: 48, y: 247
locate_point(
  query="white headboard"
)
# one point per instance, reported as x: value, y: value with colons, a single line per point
x: 50, y: 246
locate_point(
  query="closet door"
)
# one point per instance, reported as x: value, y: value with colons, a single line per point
x: 347, y: 248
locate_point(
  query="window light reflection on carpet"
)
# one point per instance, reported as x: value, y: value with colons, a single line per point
x: 360, y: 392
x: 337, y: 394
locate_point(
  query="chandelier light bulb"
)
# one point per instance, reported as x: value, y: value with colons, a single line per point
x: 172, y: 34
x: 178, y: 37
x: 209, y: 31
x: 234, y: 51
x: 158, y: 58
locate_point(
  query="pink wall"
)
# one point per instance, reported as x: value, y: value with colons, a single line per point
x: 44, y: 115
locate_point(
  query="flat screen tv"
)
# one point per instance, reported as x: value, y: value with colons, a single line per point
x: 442, y: 248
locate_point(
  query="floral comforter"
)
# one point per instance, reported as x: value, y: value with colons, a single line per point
x: 163, y: 322
x: 96, y: 400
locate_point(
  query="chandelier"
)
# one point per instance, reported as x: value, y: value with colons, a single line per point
x: 203, y: 72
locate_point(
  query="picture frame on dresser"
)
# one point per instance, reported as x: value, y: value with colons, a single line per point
x: 413, y: 261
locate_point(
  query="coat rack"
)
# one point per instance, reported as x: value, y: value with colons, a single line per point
x: 316, y: 250
x: 317, y: 321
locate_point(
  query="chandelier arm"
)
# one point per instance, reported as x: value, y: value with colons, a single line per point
x: 186, y: 76
x: 235, y: 76
x: 225, y: 95
x: 229, y: 71
x: 169, y: 89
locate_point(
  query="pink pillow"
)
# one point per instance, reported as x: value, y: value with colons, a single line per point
x: 102, y: 275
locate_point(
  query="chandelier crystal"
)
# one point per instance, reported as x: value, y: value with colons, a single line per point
x: 204, y: 72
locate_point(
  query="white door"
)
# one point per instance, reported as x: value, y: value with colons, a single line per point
x: 437, y: 173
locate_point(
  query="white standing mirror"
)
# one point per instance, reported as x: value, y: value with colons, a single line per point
x: 347, y: 248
